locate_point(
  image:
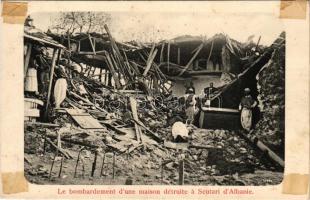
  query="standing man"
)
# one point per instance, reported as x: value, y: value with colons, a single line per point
x: 191, y: 105
x: 246, y: 106
x: 208, y: 93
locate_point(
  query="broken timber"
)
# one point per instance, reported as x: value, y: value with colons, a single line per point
x: 85, y: 120
x: 192, y: 59
x: 133, y: 104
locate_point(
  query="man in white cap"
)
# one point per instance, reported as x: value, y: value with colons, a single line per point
x: 246, y: 105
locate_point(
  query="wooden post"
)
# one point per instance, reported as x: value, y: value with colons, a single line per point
x: 94, y: 42
x: 51, y: 170
x: 161, y: 171
x: 106, y: 78
x: 113, y: 175
x: 162, y: 52
x: 181, y: 172
x: 168, y: 55
x: 149, y: 62
x: 69, y: 43
x: 50, y: 83
x: 27, y: 58
x: 92, y: 45
x: 94, y: 164
x: 77, y: 162
x: 102, y: 165
x: 88, y: 73
x: 179, y: 55
x: 110, y: 79
x: 100, y: 76
x: 112, y: 71
x: 191, y: 60
x: 60, y: 169
x: 211, y: 49
x: 257, y: 43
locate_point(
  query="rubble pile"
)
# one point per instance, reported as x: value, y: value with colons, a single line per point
x: 213, y: 157
x: 105, y: 113
x: 271, y: 85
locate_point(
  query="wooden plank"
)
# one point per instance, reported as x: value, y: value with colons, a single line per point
x: 92, y: 45
x: 37, y: 101
x: 32, y: 113
x: 100, y: 75
x: 149, y: 62
x: 85, y: 120
x: 41, y: 124
x: 133, y: 105
x: 50, y: 82
x: 26, y: 63
x: 87, y: 101
x: 211, y: 49
x: 62, y: 151
x: 161, y: 52
x: 192, y: 59
x: 76, y: 112
x: 179, y: 56
x: 168, y: 55
x: 112, y: 70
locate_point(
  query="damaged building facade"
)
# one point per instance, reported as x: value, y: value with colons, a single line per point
x: 113, y: 111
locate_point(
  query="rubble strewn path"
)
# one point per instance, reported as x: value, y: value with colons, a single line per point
x: 229, y: 160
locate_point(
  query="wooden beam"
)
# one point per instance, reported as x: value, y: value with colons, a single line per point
x: 69, y: 43
x: 151, y: 52
x: 149, y: 62
x: 92, y: 45
x: 50, y: 82
x: 133, y: 105
x: 192, y: 59
x: 27, y: 58
x: 161, y: 52
x: 68, y: 156
x: 257, y: 43
x: 211, y: 49
x: 179, y: 56
x: 88, y: 73
x: 181, y: 172
x: 106, y: 82
x: 100, y: 76
x: 87, y: 101
x: 112, y: 71
x: 168, y: 56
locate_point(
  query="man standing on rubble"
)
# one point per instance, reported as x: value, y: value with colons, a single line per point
x: 191, y: 105
x: 246, y: 106
x: 207, y: 94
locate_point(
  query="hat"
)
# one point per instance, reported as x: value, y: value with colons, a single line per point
x: 75, y: 67
x: 247, y: 90
x: 190, y: 91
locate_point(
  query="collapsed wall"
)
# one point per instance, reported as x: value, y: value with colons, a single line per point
x: 271, y: 98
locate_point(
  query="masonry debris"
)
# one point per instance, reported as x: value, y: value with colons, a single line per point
x: 99, y: 111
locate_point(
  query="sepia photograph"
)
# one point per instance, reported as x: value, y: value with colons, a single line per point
x: 153, y: 98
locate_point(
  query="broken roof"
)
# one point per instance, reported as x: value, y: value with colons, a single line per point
x: 39, y: 37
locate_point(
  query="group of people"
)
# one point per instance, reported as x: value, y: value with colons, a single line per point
x: 193, y: 103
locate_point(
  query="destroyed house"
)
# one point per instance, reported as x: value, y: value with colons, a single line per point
x: 41, y: 55
x: 171, y: 65
x: 98, y: 95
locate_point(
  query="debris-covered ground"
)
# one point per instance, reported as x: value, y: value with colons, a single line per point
x: 117, y: 128
x: 229, y: 160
